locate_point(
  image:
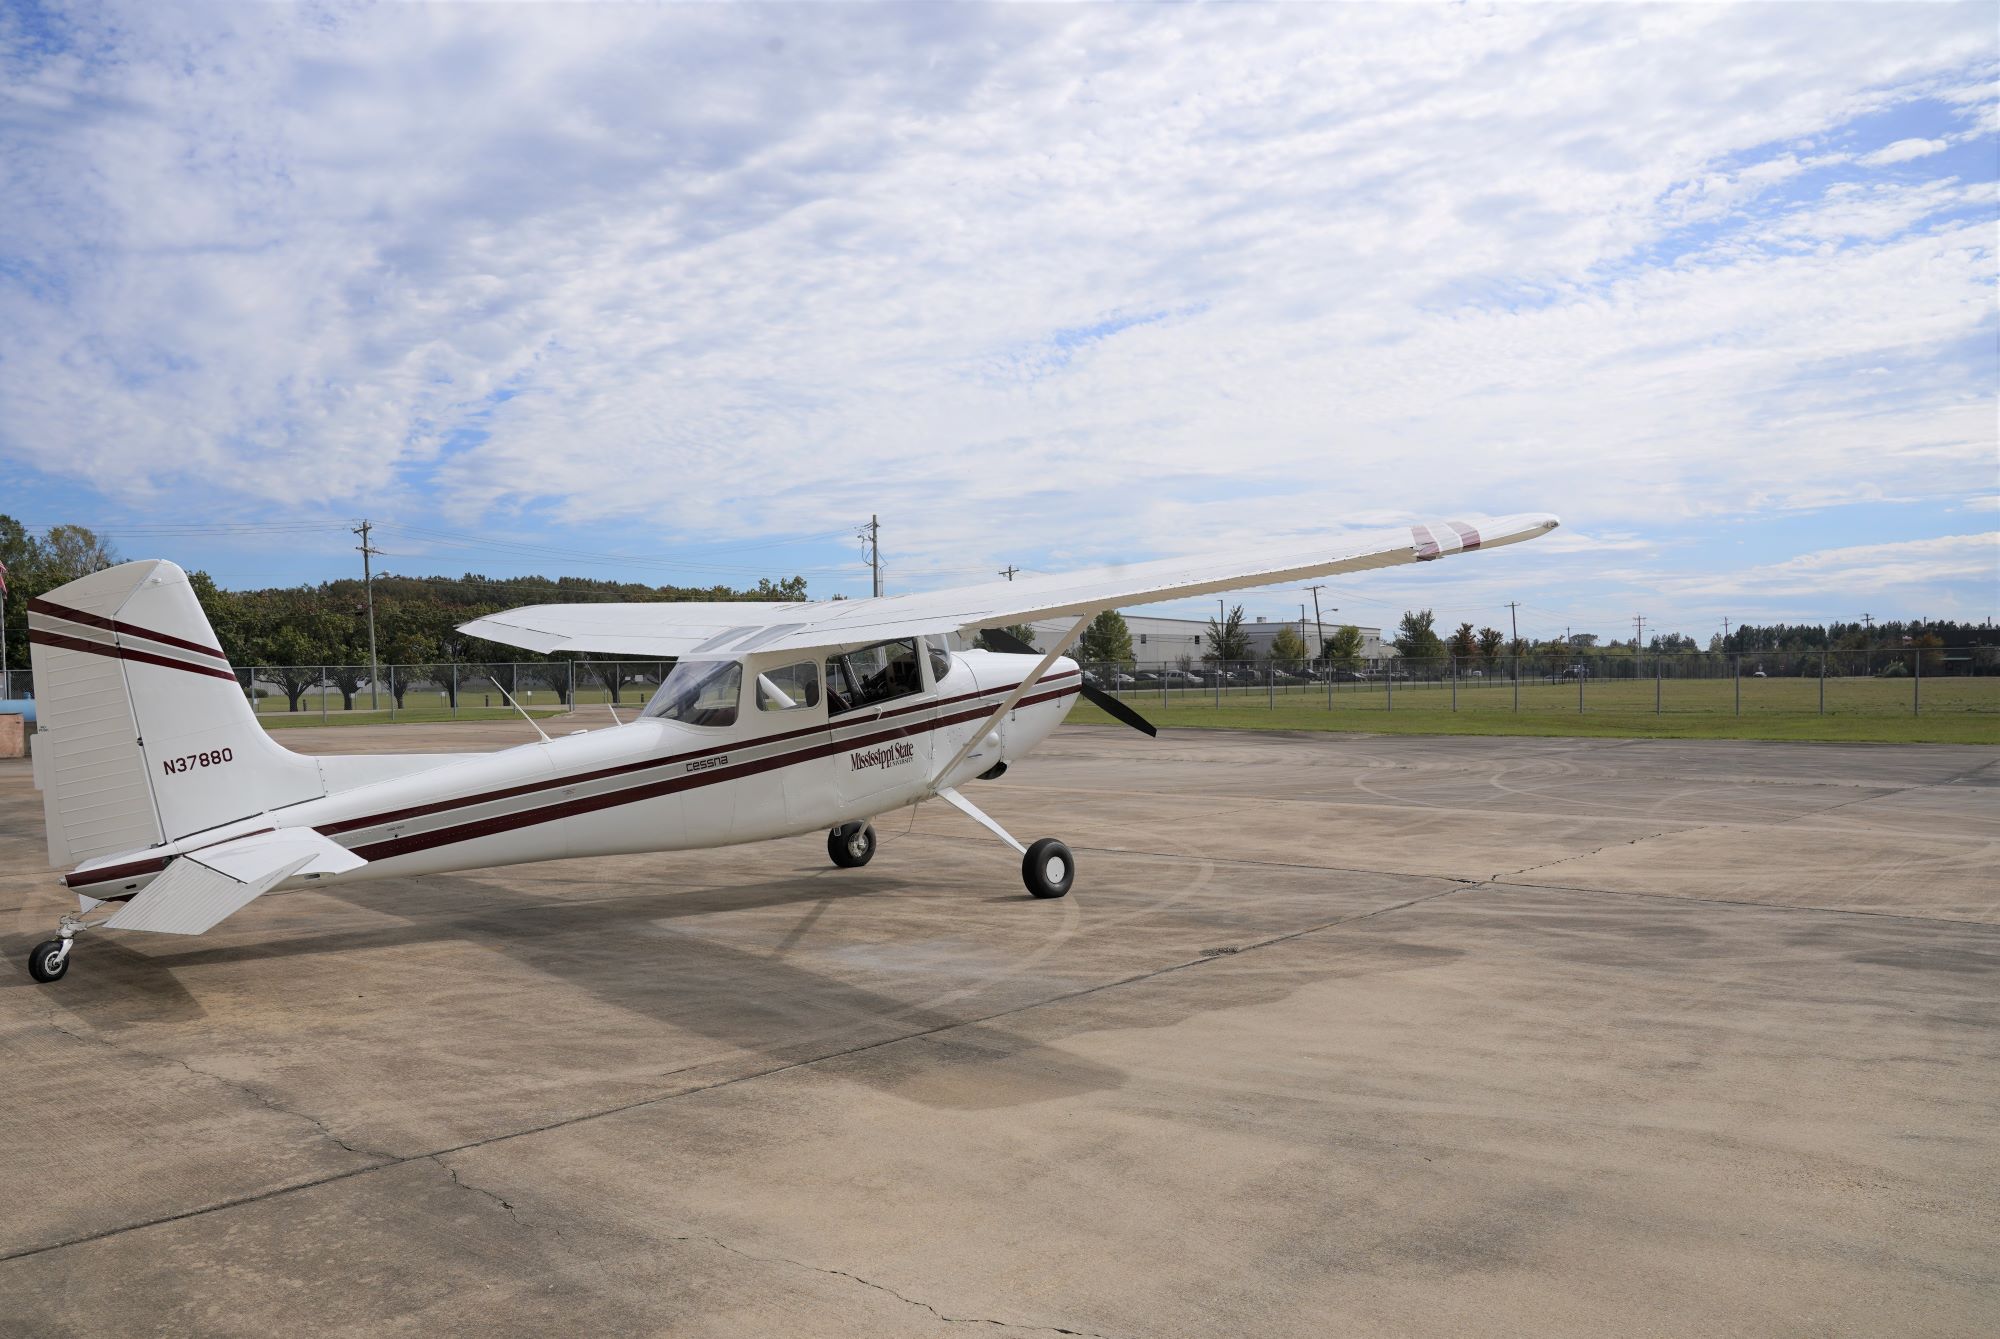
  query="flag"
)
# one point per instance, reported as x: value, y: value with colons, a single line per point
x: 3, y: 581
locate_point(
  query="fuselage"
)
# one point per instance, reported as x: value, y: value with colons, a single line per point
x: 659, y: 784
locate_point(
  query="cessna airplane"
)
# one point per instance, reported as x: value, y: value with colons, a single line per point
x: 175, y: 808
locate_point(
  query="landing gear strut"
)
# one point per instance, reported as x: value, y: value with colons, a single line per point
x: 1047, y: 867
x: 851, y: 845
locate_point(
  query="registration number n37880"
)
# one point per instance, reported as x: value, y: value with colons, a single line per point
x: 188, y: 762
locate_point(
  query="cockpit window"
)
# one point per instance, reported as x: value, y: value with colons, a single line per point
x: 873, y: 674
x: 699, y: 692
x: 788, y: 687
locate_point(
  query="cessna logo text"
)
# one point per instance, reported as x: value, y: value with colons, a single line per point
x: 886, y: 756
x: 703, y: 764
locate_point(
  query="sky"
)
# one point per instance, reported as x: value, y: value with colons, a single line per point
x: 687, y: 293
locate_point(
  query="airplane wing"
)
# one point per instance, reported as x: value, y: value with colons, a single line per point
x: 200, y: 889
x: 667, y: 630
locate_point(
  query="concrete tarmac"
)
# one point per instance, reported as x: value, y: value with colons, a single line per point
x: 1338, y: 1034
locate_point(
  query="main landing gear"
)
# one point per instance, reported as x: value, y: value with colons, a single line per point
x: 1047, y: 867
x: 851, y: 845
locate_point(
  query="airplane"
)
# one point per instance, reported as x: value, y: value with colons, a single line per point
x: 172, y: 807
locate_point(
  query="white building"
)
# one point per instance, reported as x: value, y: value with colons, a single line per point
x: 1162, y: 642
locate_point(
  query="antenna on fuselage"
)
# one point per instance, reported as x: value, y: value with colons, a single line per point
x: 524, y: 715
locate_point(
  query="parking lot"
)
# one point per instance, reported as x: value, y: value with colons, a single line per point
x: 1337, y: 1034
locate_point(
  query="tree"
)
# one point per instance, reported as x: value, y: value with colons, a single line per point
x: 1288, y: 648
x: 37, y: 565
x: 1490, y: 642
x: 1343, y: 648
x: 1226, y: 640
x: 1464, y: 642
x: 1106, y: 641
x: 1418, y: 639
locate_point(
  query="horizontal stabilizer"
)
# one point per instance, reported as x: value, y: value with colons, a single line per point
x: 198, y: 891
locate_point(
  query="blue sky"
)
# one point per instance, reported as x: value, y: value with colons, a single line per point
x: 686, y: 293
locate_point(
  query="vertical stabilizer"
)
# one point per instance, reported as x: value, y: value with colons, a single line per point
x: 147, y: 734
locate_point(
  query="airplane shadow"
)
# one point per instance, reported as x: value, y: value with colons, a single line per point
x: 759, y: 1002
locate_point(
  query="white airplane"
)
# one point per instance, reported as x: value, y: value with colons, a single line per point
x: 176, y: 808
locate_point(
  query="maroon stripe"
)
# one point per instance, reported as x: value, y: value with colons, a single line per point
x: 154, y: 865
x: 1468, y: 538
x: 111, y: 872
x: 649, y: 764
x: 488, y: 827
x: 41, y: 606
x: 45, y: 638
x: 1426, y: 543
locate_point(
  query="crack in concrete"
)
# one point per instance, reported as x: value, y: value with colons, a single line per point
x: 504, y: 1203
x: 720, y: 1244
x: 382, y: 1157
x: 1585, y: 855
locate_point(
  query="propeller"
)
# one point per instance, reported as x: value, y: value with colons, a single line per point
x: 1000, y: 639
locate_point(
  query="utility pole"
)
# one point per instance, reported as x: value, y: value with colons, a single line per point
x: 1514, y: 620
x: 1638, y: 630
x: 875, y: 553
x: 368, y: 584
x: 1008, y: 571
x: 1319, y: 628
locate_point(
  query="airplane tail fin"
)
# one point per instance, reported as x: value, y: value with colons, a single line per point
x: 144, y: 733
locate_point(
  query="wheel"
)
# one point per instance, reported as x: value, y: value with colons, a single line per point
x: 851, y: 847
x: 994, y: 773
x: 48, y: 962
x: 1048, y: 869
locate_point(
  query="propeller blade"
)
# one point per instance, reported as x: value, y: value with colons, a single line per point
x: 1112, y: 707
x: 1001, y: 640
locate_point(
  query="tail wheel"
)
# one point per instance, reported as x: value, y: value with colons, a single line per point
x: 1048, y: 869
x: 49, y: 961
x: 851, y: 847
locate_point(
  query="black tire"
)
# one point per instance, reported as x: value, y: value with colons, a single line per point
x: 48, y: 962
x: 994, y: 773
x: 1048, y: 869
x: 851, y: 848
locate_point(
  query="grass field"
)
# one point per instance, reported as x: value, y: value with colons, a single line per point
x: 428, y: 706
x: 1953, y: 710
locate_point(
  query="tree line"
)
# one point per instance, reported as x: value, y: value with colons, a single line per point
x: 289, y: 633
x: 1108, y: 640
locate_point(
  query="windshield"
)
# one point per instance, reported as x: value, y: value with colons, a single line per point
x: 699, y: 692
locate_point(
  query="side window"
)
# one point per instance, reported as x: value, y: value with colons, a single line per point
x: 873, y: 674
x: 940, y: 655
x: 788, y: 687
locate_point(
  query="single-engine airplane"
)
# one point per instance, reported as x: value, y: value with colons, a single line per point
x: 176, y: 809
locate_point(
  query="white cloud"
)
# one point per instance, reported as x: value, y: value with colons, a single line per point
x: 1903, y: 150
x: 1862, y: 569
x: 738, y: 271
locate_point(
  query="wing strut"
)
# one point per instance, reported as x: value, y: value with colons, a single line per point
x: 1007, y: 704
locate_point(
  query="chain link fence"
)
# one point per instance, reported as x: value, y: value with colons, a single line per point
x: 1878, y: 682
x: 1849, y: 683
